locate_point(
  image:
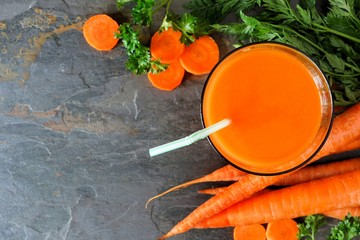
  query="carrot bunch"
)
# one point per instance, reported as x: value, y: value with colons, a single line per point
x: 197, y: 58
x: 332, y: 189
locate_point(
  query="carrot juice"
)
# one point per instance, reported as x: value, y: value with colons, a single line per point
x: 279, y: 104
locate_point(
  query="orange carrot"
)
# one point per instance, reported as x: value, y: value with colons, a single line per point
x: 249, y: 232
x: 166, y: 45
x: 223, y: 174
x: 212, y: 191
x: 310, y: 173
x: 200, y: 56
x: 99, y: 32
x: 352, y: 146
x: 341, y: 213
x: 305, y: 174
x: 237, y: 191
x: 284, y: 229
x: 345, y: 129
x: 169, y: 79
x: 218, y: 190
x: 315, y: 197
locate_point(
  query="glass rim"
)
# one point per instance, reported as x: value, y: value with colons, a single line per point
x: 318, y: 148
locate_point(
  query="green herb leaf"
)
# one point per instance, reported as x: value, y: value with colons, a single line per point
x: 139, y: 58
x: 120, y: 3
x: 143, y: 12
x: 311, y: 224
x: 216, y: 10
x: 346, y: 229
x: 190, y: 27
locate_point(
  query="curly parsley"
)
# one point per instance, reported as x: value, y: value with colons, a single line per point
x: 310, y: 226
x: 347, y: 229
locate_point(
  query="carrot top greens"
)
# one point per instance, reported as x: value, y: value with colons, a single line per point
x: 331, y: 37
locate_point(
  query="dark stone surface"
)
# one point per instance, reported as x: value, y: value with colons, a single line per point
x: 75, y: 129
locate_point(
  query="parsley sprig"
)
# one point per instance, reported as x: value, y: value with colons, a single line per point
x: 346, y: 229
x: 139, y: 59
x: 310, y: 226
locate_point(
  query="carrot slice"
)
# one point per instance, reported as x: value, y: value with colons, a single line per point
x: 285, y: 229
x: 99, y: 32
x: 201, y: 56
x: 166, y: 45
x: 249, y: 232
x: 169, y: 79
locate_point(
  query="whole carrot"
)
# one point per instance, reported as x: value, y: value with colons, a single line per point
x: 310, y: 173
x: 352, y: 146
x: 345, y: 129
x: 305, y: 174
x: 315, y: 197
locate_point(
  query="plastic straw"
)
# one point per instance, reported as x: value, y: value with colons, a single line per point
x: 186, y: 141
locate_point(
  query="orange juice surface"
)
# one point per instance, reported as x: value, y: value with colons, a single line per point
x: 273, y: 103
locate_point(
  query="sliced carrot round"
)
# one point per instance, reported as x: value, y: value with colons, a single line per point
x: 99, y: 32
x: 282, y: 229
x: 201, y: 56
x: 169, y: 79
x: 166, y: 45
x: 249, y: 232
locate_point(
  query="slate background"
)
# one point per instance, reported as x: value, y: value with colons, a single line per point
x: 75, y: 129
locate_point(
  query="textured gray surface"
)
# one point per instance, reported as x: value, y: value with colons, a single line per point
x: 75, y: 128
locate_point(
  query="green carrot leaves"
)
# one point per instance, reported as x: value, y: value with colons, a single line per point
x: 331, y: 40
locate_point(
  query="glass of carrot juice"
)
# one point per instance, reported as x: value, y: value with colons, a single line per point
x: 279, y: 103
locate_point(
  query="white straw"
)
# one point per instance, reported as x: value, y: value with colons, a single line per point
x: 186, y: 141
